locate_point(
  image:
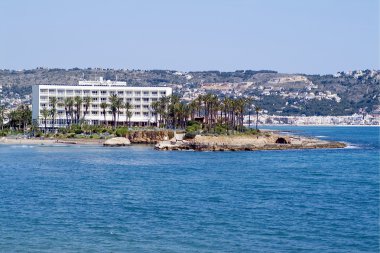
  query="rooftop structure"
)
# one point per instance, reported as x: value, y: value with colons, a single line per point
x: 102, y: 82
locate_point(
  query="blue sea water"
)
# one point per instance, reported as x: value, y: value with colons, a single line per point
x: 135, y: 199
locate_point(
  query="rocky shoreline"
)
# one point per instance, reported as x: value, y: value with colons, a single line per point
x: 268, y: 140
x: 246, y: 143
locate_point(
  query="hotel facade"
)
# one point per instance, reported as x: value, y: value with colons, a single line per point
x: 140, y: 98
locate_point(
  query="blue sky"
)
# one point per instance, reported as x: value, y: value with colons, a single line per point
x: 293, y: 36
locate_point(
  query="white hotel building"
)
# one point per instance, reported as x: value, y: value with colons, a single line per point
x: 139, y: 97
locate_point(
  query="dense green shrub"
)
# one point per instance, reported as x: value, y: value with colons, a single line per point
x: 70, y: 135
x: 220, y: 129
x: 58, y: 135
x: 78, y: 131
x: 253, y: 131
x: 193, y: 126
x: 121, y: 132
x: 192, y: 123
x: 62, y: 130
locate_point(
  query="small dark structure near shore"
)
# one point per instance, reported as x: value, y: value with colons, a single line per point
x: 282, y: 141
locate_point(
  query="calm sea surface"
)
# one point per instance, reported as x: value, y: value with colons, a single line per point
x: 135, y: 199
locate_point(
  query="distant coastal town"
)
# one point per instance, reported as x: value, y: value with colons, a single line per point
x: 352, y: 120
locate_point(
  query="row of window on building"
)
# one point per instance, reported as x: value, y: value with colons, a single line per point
x: 63, y: 122
x: 106, y: 99
x: 96, y: 113
x: 96, y: 106
x: 102, y: 92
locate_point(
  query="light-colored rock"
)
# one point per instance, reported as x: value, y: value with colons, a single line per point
x: 246, y: 142
x: 179, y: 137
x: 117, y: 142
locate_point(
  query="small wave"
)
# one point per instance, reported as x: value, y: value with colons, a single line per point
x: 351, y: 146
x: 321, y: 136
x: 22, y: 146
x: 286, y: 132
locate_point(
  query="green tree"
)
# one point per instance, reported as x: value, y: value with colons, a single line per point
x: 257, y: 110
x: 26, y: 116
x: 69, y: 105
x: 249, y: 101
x: 104, y: 106
x: 2, y: 117
x: 53, y: 110
x: 87, y: 101
x: 45, y: 113
x: 14, y: 119
x: 128, y: 113
x: 78, y: 105
x: 163, y: 110
x: 115, y: 105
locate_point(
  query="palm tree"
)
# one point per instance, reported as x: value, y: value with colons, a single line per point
x: 198, y: 102
x: 87, y: 101
x: 214, y: 106
x: 129, y: 116
x: 53, y: 110
x: 13, y: 119
x: 156, y: 109
x: 257, y: 110
x: 69, y: 104
x: 243, y: 104
x: 226, y: 105
x: 206, y: 100
x: 128, y: 113
x: 119, y: 106
x: 186, y: 114
x: 181, y: 114
x: 239, y: 111
x: 26, y: 116
x: 114, y: 106
x: 173, y: 110
x: 2, y: 110
x: 249, y: 107
x: 193, y: 107
x: 78, y: 104
x: 45, y: 115
x: 163, y: 110
x: 104, y: 106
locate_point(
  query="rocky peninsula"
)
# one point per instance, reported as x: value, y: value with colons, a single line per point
x: 169, y: 140
x: 267, y: 141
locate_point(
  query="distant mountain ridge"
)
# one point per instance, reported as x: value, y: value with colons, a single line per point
x: 279, y: 93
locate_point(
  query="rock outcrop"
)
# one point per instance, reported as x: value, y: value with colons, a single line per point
x: 246, y: 143
x: 150, y: 137
x: 117, y: 142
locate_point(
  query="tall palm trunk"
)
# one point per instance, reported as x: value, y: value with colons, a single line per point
x: 249, y: 119
x: 257, y: 119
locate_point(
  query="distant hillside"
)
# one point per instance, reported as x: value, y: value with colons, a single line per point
x: 287, y: 94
